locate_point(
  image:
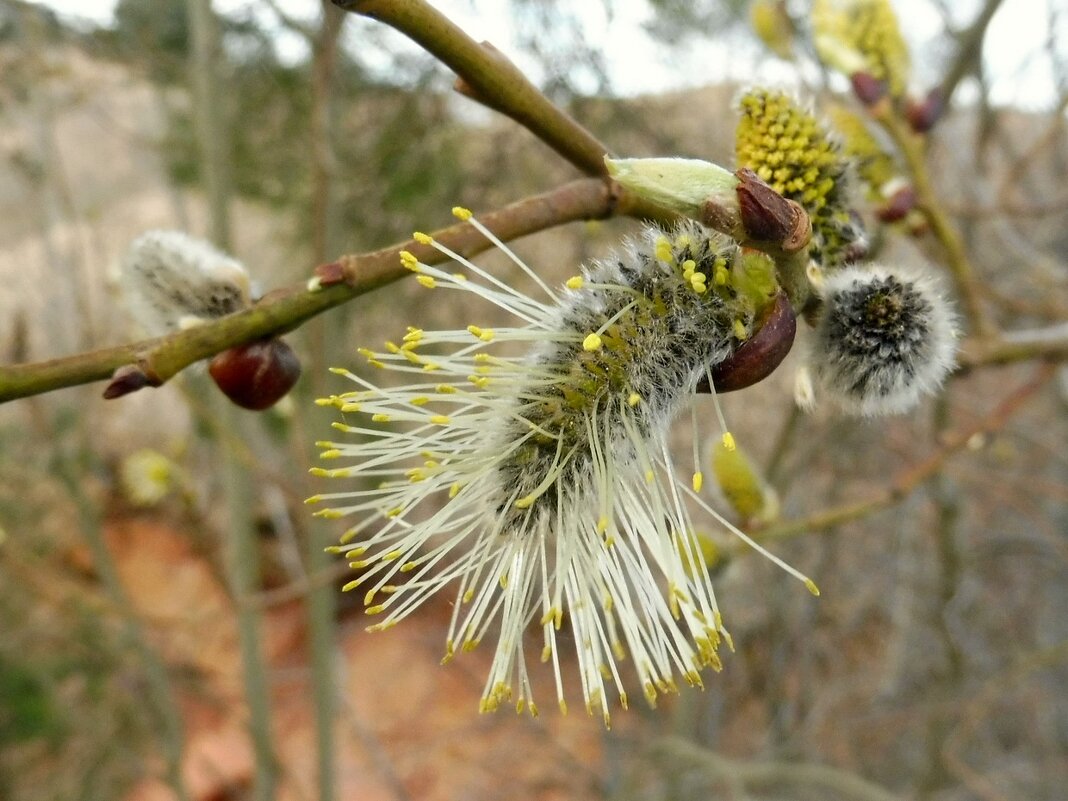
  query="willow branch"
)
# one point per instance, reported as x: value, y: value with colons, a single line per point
x: 769, y: 777
x: 911, y: 147
x: 908, y: 480
x: 284, y: 310
x: 969, y: 49
x: 488, y: 76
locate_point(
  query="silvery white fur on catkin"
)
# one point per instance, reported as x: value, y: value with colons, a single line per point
x: 169, y: 278
x: 873, y: 368
x: 677, y: 348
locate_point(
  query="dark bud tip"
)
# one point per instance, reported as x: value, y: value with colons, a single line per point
x: 923, y: 114
x: 256, y: 375
x: 769, y: 217
x: 759, y: 356
x: 898, y: 206
x: 868, y: 89
x: 330, y: 274
x: 128, y: 378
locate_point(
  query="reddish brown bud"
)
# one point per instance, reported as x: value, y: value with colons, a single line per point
x: 769, y: 217
x: 127, y: 379
x: 868, y: 89
x: 756, y: 358
x: 330, y: 274
x: 256, y: 375
x: 898, y: 205
x: 923, y: 114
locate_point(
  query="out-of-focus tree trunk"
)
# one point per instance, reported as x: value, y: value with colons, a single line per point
x: 210, y: 117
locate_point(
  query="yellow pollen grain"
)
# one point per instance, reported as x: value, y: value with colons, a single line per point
x: 460, y: 213
x: 423, y: 239
x: 474, y: 330
x: 592, y: 343
x: 440, y: 419
x: 728, y: 441
x: 454, y: 490
x: 649, y: 476
x: 740, y: 331
x: 575, y: 282
x: 688, y: 267
x: 422, y: 400
x: 698, y: 481
x: 445, y: 389
x: 427, y: 281
x: 634, y: 399
x: 380, y: 418
x: 602, y: 524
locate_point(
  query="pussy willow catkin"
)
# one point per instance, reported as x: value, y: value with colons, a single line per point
x: 543, y: 483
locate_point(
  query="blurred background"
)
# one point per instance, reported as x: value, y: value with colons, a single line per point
x: 169, y: 625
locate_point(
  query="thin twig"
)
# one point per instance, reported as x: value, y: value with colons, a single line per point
x: 908, y: 480
x: 284, y: 310
x: 911, y: 147
x: 489, y: 76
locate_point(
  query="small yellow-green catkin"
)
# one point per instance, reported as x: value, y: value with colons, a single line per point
x: 798, y: 156
x: 862, y: 36
x: 739, y: 482
x: 773, y: 26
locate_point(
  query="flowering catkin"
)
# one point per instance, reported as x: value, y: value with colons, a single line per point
x: 543, y: 483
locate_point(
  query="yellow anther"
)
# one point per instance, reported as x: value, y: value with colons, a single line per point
x: 423, y: 239
x: 602, y: 524
x: 688, y: 267
x: 721, y: 275
x: 663, y: 251
x: 445, y: 389
x: 365, y: 352
x: 374, y: 610
x: 810, y: 585
x: 634, y: 399
x: 440, y: 419
x: 649, y: 476
x: 376, y: 363
x: 503, y: 581
x: 698, y: 481
x: 380, y: 418
x: 740, y: 330
x: 479, y: 381
x: 396, y: 511
x: 393, y: 556
x: 427, y: 281
x: 413, y: 335
x: 698, y: 278
x: 525, y: 502
x: 592, y: 342
x: 350, y: 407
x: 459, y: 277
x: 333, y: 453
x: 422, y: 400
x: 460, y: 213
x: 487, y: 335
x: 474, y: 330
x: 728, y: 441
x: 313, y: 499
x: 575, y: 282
x: 392, y: 347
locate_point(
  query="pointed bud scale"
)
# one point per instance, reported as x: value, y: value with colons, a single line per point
x: 256, y: 375
x: 923, y: 114
x: 756, y: 358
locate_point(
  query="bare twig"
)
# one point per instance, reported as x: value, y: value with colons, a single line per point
x: 908, y: 480
x: 969, y: 49
x: 489, y: 76
x: 911, y: 147
x: 160, y: 359
x: 773, y: 776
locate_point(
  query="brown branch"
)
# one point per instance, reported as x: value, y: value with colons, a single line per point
x: 1015, y: 346
x: 969, y: 50
x: 488, y: 76
x: 157, y: 360
x: 908, y: 480
x: 911, y: 147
